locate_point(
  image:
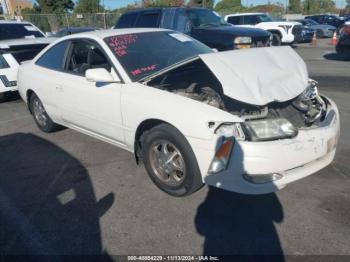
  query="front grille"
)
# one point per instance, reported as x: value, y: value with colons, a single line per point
x: 296, y: 29
x: 260, y: 42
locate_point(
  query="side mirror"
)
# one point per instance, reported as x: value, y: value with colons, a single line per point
x: 100, y: 75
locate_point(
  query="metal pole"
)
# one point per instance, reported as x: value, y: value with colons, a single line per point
x: 67, y: 21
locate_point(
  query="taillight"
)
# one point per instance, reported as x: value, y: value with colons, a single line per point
x: 346, y: 30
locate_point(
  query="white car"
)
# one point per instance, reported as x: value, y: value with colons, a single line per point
x: 248, y: 121
x: 282, y: 32
x: 19, y: 41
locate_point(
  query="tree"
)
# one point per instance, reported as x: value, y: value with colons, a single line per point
x: 229, y: 5
x: 294, y: 6
x: 88, y: 6
x: 201, y: 3
x: 55, y: 6
x: 319, y: 6
x: 158, y: 3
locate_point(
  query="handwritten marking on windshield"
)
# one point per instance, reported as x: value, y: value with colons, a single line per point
x: 143, y: 70
x: 120, y: 43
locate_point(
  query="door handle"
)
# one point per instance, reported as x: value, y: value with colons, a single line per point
x: 59, y: 88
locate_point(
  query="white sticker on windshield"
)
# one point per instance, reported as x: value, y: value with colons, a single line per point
x: 30, y: 28
x: 181, y: 38
x: 29, y: 37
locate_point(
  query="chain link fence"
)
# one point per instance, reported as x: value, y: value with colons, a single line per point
x: 53, y: 22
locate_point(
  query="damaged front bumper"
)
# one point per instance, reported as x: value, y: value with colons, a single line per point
x: 264, y: 167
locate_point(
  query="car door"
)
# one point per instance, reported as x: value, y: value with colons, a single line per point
x: 88, y: 106
x: 48, y: 72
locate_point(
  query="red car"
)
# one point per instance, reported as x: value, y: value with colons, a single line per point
x: 343, y: 46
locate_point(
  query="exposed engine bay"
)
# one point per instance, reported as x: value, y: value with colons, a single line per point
x: 196, y: 81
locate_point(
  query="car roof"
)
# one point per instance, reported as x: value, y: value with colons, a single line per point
x: 240, y: 14
x: 162, y: 8
x: 112, y: 32
x: 13, y: 22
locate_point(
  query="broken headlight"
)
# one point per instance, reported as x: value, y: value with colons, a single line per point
x: 310, y: 104
x: 270, y: 129
x: 231, y: 130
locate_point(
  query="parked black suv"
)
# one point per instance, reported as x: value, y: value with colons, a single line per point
x: 200, y: 23
x: 327, y: 20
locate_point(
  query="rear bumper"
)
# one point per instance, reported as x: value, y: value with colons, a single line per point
x: 7, y: 85
x: 8, y: 75
x: 292, y: 159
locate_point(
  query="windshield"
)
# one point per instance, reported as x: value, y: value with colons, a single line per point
x: 143, y: 54
x: 311, y: 22
x: 18, y: 31
x: 205, y: 17
x: 265, y: 18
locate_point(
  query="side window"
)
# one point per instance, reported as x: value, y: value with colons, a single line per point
x: 86, y: 55
x: 319, y: 19
x: 183, y: 23
x: 250, y: 20
x: 127, y: 20
x: 53, y: 58
x: 148, y: 20
x: 234, y: 20
x: 168, y: 18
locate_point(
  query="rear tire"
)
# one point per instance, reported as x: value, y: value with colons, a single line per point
x: 170, y: 161
x: 41, y: 118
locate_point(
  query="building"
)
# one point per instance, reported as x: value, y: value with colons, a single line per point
x: 14, y: 7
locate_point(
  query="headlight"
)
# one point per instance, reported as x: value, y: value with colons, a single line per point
x: 242, y: 40
x: 311, y: 92
x: 3, y: 63
x: 270, y: 129
x: 231, y: 129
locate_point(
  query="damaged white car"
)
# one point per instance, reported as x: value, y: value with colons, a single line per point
x: 248, y: 121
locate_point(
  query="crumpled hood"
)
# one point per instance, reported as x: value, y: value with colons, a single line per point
x: 259, y: 76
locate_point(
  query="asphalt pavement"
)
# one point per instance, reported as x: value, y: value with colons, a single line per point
x: 67, y: 193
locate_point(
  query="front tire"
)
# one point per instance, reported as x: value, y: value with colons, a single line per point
x: 41, y: 118
x: 2, y: 97
x: 170, y: 161
x: 276, y: 39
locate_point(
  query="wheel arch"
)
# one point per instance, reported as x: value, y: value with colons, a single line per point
x: 143, y: 127
x: 29, y: 93
x: 276, y: 31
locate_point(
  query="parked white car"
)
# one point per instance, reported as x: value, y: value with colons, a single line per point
x: 282, y: 32
x: 192, y: 117
x: 19, y: 41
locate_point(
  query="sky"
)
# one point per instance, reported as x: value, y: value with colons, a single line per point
x: 111, y: 4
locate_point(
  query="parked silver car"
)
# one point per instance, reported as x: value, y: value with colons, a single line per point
x: 322, y: 30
